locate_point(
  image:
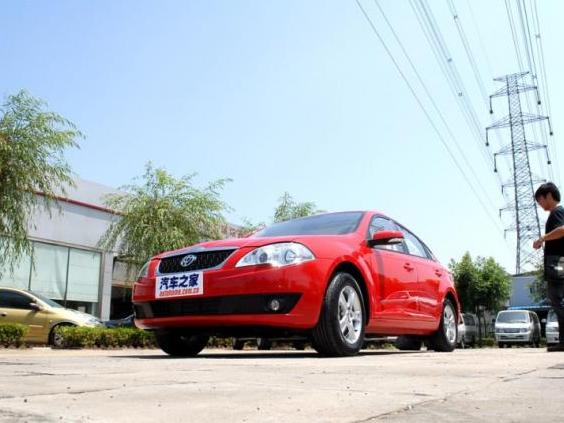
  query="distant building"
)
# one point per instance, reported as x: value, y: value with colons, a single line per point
x: 69, y: 266
x: 521, y: 291
x: 522, y: 299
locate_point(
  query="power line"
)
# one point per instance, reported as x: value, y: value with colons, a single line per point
x: 431, y: 99
x: 473, y: 64
x: 446, y: 62
x: 424, y: 110
x: 468, y: 50
x: 517, y: 46
x: 544, y: 79
x: 481, y: 41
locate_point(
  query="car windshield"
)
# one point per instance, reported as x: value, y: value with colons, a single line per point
x: 323, y: 224
x: 46, y: 300
x: 513, y: 317
x: 551, y: 316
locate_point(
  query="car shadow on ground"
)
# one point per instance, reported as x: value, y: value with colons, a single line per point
x: 253, y: 354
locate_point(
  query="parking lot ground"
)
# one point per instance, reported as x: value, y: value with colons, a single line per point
x: 44, y: 385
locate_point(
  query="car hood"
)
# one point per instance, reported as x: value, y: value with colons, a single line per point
x: 75, y: 315
x: 309, y: 241
x: 552, y: 325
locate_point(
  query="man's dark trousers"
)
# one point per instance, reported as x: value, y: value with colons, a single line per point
x: 556, y: 297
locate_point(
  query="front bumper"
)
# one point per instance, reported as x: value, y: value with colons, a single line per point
x: 240, y: 297
x: 552, y: 337
x: 513, y: 337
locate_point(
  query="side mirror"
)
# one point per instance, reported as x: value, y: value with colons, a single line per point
x: 543, y: 320
x: 386, y: 238
x: 35, y: 307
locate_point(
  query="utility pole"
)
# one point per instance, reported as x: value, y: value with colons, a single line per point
x: 524, y: 206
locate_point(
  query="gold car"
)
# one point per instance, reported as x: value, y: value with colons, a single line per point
x: 40, y: 314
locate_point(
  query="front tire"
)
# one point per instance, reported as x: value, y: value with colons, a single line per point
x: 340, y: 329
x: 55, y: 339
x: 181, y: 344
x: 444, y: 339
x: 408, y: 343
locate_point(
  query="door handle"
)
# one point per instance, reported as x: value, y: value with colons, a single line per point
x: 408, y: 267
x: 438, y: 273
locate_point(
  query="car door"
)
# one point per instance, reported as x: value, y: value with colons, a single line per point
x: 429, y: 272
x: 15, y: 308
x: 395, y: 276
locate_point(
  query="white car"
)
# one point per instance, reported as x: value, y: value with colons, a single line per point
x: 517, y: 327
x: 551, y: 328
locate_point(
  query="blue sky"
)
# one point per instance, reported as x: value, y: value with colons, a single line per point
x: 294, y: 96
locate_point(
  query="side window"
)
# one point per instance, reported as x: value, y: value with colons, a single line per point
x: 9, y: 299
x: 414, y: 246
x: 382, y: 224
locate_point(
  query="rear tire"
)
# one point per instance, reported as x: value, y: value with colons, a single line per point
x: 181, y: 344
x: 444, y: 339
x: 340, y: 329
x: 408, y: 343
x: 299, y: 345
x: 264, y: 344
x: 238, y: 344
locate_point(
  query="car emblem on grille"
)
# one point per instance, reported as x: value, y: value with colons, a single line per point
x: 188, y: 260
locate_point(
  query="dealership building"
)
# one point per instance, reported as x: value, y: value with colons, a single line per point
x: 68, y: 266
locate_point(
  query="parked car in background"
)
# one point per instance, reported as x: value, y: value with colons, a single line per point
x: 520, y: 327
x: 552, y: 336
x: 331, y: 278
x: 126, y: 322
x: 471, y: 328
x: 460, y: 340
x: 40, y: 314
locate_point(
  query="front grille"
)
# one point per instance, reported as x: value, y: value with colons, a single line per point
x: 204, y: 260
x: 508, y: 330
x: 234, y: 304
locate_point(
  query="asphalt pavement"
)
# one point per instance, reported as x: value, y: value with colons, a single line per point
x: 518, y: 384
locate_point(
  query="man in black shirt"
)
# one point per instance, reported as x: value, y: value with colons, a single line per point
x: 548, y: 197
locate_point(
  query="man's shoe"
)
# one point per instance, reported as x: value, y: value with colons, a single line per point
x: 557, y: 347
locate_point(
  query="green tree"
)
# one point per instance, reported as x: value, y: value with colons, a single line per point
x: 288, y: 209
x: 248, y: 227
x: 33, y: 141
x: 494, y: 287
x: 466, y: 276
x: 481, y: 282
x: 162, y: 213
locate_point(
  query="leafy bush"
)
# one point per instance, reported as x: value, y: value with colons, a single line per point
x: 12, y: 334
x: 85, y: 337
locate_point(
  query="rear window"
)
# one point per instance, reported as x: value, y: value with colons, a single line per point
x: 513, y: 317
x: 323, y: 224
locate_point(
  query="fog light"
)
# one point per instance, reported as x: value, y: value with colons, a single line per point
x: 274, y: 305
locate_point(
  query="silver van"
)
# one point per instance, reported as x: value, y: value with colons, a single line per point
x: 520, y: 327
x: 551, y: 328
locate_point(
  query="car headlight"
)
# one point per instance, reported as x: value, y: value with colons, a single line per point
x: 282, y: 254
x: 95, y: 322
x: 523, y: 330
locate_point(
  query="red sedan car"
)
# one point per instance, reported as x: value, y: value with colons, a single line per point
x: 332, y: 278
